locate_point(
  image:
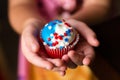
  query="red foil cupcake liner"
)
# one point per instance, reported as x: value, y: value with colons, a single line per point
x: 57, y: 53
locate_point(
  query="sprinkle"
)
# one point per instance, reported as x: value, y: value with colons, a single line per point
x: 69, y: 30
x: 53, y: 44
x: 68, y: 33
x: 67, y: 24
x: 65, y: 34
x: 51, y: 34
x: 44, y: 43
x: 56, y: 42
x: 55, y: 34
x: 60, y: 37
x: 66, y: 39
x: 46, y: 25
x: 56, y: 37
x: 49, y: 39
x: 49, y: 27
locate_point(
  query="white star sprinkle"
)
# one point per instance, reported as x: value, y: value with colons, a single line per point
x: 49, y: 27
x: 44, y: 43
x: 46, y: 25
x: 51, y: 35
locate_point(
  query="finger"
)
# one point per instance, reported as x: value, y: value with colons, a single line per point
x: 30, y: 37
x: 85, y: 31
x: 57, y: 62
x: 35, y: 59
x: 62, y: 73
x: 75, y: 57
x: 59, y: 69
x: 89, y: 55
x: 69, y: 62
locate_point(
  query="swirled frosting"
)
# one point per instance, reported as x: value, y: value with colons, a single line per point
x: 58, y: 34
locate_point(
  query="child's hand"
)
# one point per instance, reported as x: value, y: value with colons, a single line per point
x: 67, y: 5
x: 35, y: 53
x: 84, y: 52
x: 82, y: 55
x: 86, y: 10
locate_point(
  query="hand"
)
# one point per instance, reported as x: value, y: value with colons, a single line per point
x: 34, y: 51
x: 84, y: 52
x: 67, y: 5
x: 86, y: 10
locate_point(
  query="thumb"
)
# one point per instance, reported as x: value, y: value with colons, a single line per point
x: 85, y: 31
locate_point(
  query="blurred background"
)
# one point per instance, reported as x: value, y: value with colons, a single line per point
x: 8, y: 45
x: 106, y: 64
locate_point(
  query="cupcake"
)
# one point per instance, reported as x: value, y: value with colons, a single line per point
x: 58, y: 37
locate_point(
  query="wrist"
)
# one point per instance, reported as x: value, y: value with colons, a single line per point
x: 36, y: 22
x: 33, y: 22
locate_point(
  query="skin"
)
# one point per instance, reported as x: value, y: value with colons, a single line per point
x: 30, y: 22
x: 87, y: 10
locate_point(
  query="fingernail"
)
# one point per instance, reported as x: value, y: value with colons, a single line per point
x: 96, y: 42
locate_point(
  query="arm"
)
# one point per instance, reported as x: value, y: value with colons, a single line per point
x: 25, y: 20
x: 92, y: 11
x: 22, y: 11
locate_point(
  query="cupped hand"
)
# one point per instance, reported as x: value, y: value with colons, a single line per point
x: 83, y: 52
x: 34, y: 51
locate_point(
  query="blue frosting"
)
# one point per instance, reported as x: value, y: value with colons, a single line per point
x: 47, y: 30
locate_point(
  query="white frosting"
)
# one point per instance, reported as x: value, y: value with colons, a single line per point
x: 60, y: 30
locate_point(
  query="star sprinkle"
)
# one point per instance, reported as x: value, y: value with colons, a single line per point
x: 66, y: 39
x: 49, y: 39
x: 49, y: 27
x: 58, y: 34
x: 67, y: 24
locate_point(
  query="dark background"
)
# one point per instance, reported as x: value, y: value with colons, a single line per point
x: 8, y: 41
x: 108, y: 33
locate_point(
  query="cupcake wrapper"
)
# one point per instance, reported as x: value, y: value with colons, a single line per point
x: 57, y: 53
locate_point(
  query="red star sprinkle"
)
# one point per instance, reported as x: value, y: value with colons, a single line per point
x: 56, y: 42
x: 53, y: 44
x: 67, y: 24
x: 65, y: 34
x: 49, y: 39
x: 60, y: 37
x: 55, y: 34
x: 56, y: 37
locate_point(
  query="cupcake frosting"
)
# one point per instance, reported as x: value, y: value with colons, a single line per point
x: 58, y: 34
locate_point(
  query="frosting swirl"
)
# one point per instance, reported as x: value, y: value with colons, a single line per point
x: 58, y: 34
